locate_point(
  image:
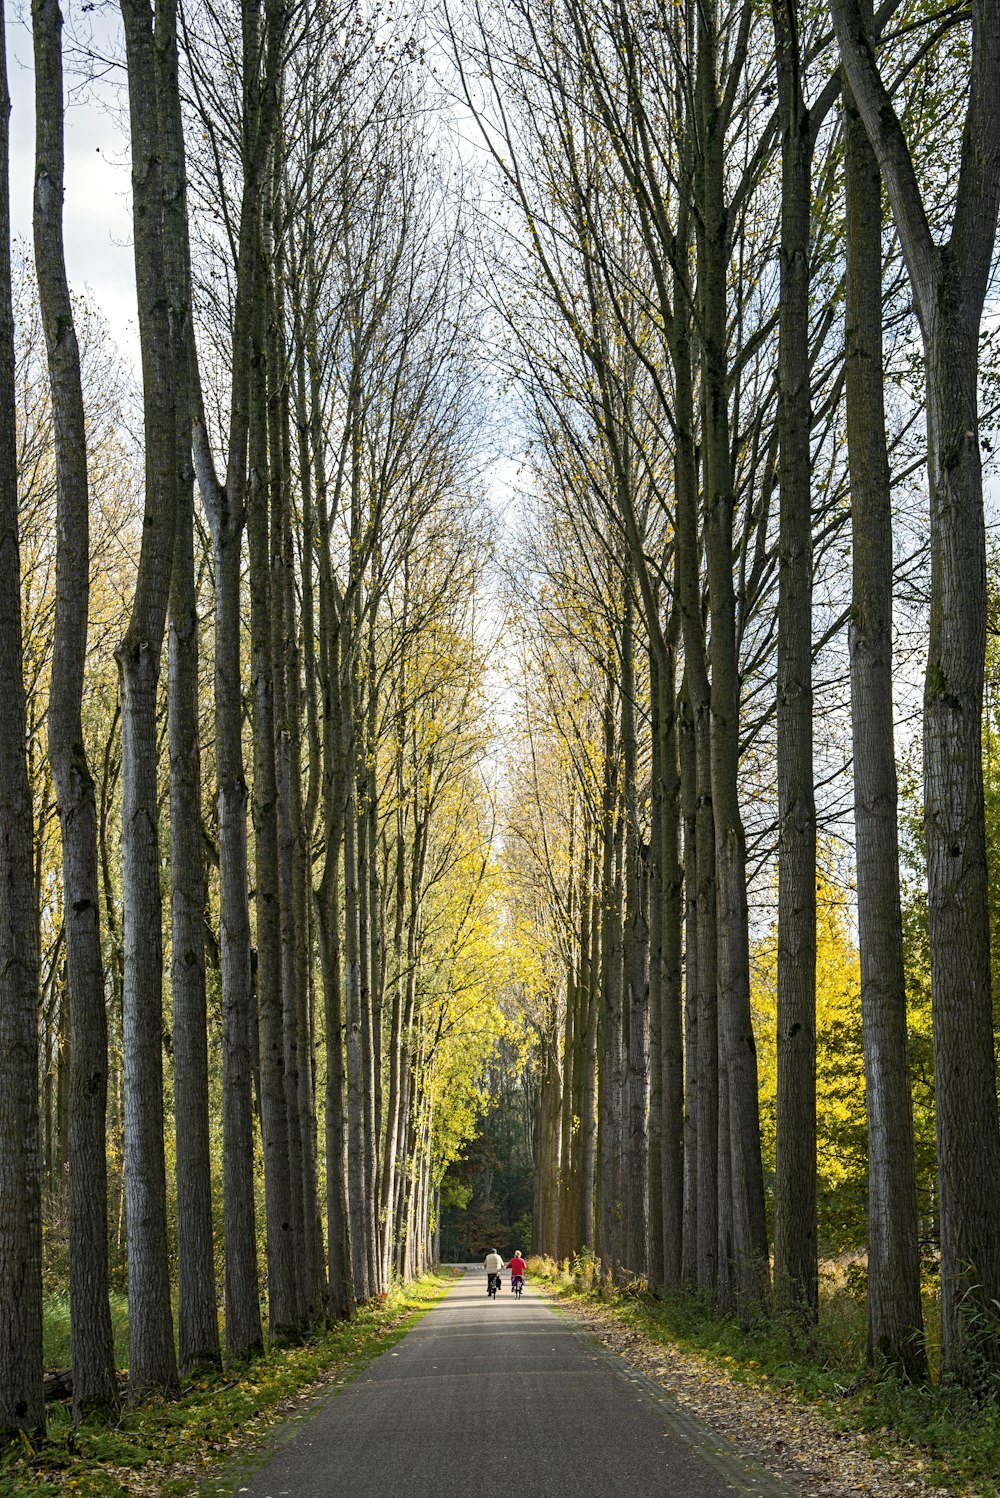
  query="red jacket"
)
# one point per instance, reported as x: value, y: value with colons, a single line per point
x: 517, y: 1265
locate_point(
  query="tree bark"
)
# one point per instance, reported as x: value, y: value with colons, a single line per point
x: 671, y: 1027
x: 94, y: 1380
x: 152, y: 1358
x: 590, y: 967
x: 282, y: 1258
x: 749, y: 1247
x: 949, y: 283
x: 687, y: 752
x: 292, y: 929
x: 22, y: 1402
x: 197, y: 1315
x: 657, y: 847
x: 635, y: 987
x: 796, y: 1272
x: 610, y: 1066
x: 895, y: 1318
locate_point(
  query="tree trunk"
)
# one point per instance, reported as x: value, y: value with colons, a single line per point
x: 346, y: 774
x: 368, y: 961
x: 671, y: 1040
x: 152, y: 1358
x: 197, y: 1316
x: 291, y: 925
x: 657, y: 875
x: 390, y: 1157
x: 965, y: 1085
x: 308, y: 808
x: 610, y: 1066
x: 736, y: 1040
x: 795, y: 1253
x: 590, y: 934
x: 283, y: 1252
x: 342, y: 1296
x: 22, y: 1402
x: 635, y: 987
x: 94, y: 1380
x: 949, y: 284
x: 689, y: 810
x: 895, y: 1319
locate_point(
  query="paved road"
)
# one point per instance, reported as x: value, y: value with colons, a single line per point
x: 502, y: 1399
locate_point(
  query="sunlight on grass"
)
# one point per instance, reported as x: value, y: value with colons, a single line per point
x: 953, y: 1435
x: 175, y: 1448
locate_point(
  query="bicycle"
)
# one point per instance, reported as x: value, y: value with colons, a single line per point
x: 492, y: 1285
x: 516, y: 1285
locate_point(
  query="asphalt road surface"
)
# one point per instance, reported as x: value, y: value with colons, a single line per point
x: 502, y: 1399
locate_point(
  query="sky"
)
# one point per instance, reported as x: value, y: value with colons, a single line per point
x: 97, y: 207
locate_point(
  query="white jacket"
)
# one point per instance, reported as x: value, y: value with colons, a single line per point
x: 493, y: 1264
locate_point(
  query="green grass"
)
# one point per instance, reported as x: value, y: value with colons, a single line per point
x: 950, y: 1435
x: 191, y: 1445
x: 55, y: 1329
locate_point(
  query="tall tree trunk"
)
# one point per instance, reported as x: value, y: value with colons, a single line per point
x: 689, y: 810
x: 22, y: 1403
x: 197, y: 1313
x: 702, y: 1098
x: 567, y: 1233
x: 390, y: 1155
x: 895, y: 1318
x: 197, y: 1316
x: 657, y: 874
x: 635, y: 987
x: 292, y: 932
x: 324, y: 752
x: 243, y: 1326
x: 346, y: 773
x: 368, y: 921
x: 589, y: 1110
x: 306, y: 661
x: 609, y: 1069
x: 342, y: 1295
x: 949, y: 284
x: 225, y: 504
x: 94, y: 1382
x: 152, y: 1358
x: 795, y: 1252
x: 283, y: 1252
x: 377, y: 921
x: 749, y: 1249
x: 671, y: 1027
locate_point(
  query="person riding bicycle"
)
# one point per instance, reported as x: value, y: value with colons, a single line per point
x: 493, y: 1266
x: 517, y: 1267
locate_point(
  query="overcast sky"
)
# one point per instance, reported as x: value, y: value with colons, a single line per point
x: 97, y: 218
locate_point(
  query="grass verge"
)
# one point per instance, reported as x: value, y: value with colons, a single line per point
x: 183, y: 1447
x: 942, y: 1433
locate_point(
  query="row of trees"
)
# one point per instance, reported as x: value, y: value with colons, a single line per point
x: 269, y: 901
x: 703, y: 301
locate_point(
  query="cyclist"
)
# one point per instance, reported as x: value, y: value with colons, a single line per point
x: 493, y: 1266
x: 517, y: 1267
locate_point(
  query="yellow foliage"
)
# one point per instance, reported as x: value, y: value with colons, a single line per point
x: 840, y: 1091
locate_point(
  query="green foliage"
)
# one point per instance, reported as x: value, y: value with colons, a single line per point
x: 520, y: 1233
x: 842, y: 1135
x: 487, y: 1193
x: 201, y: 1440
x: 56, y: 1329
